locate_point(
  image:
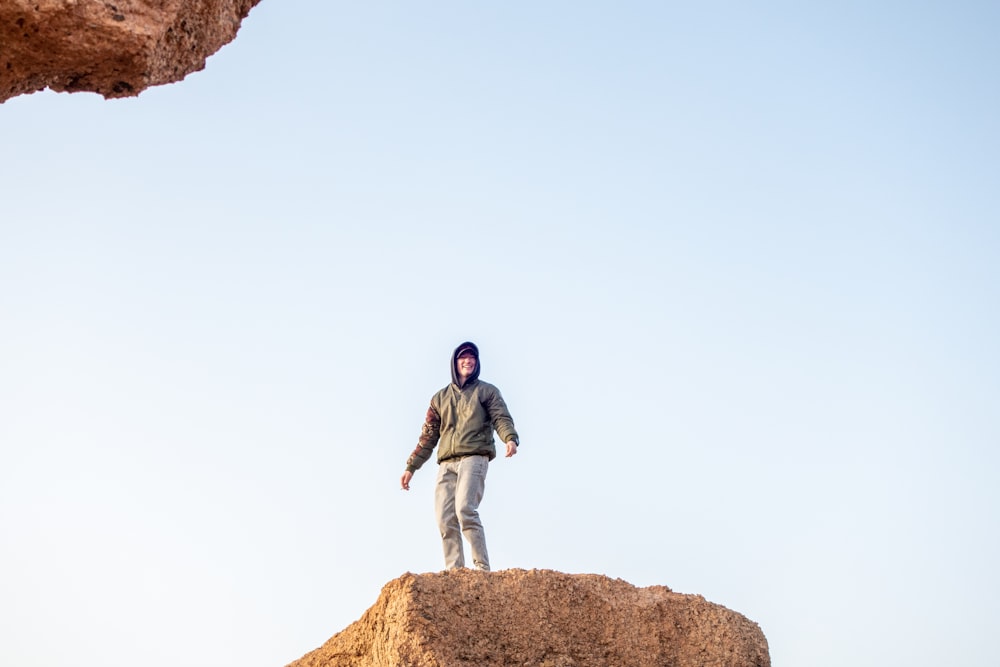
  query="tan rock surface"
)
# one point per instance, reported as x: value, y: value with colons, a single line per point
x: 116, y: 48
x: 540, y: 618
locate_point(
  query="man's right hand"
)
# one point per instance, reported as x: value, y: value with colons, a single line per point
x: 405, y: 481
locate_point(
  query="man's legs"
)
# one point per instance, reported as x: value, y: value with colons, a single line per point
x: 467, y: 496
x: 444, y: 505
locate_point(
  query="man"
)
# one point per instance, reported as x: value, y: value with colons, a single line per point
x: 462, y: 418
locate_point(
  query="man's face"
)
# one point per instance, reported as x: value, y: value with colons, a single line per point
x: 466, y: 365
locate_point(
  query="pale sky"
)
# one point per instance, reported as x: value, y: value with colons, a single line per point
x: 734, y: 267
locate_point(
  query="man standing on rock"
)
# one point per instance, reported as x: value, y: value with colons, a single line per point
x: 462, y: 418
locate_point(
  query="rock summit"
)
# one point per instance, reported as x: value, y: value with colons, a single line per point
x: 540, y: 618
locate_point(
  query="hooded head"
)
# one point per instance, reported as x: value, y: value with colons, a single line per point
x: 464, y: 349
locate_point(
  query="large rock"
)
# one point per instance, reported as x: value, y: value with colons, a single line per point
x: 540, y: 618
x: 116, y: 48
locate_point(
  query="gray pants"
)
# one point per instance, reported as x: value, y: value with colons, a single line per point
x: 460, y: 485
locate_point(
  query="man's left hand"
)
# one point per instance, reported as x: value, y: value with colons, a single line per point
x: 511, y: 448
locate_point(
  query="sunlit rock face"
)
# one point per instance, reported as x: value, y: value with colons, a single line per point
x: 117, y: 48
x: 540, y: 618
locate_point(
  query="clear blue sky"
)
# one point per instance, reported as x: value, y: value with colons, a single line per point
x: 733, y: 265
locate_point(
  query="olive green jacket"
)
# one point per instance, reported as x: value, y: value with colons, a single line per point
x: 461, y: 420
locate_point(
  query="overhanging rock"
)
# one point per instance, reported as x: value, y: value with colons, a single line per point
x: 116, y: 48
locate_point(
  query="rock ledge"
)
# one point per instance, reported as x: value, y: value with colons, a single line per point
x: 540, y: 618
x: 116, y: 48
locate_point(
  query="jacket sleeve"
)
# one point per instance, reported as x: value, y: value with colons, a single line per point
x: 430, y: 433
x: 503, y: 423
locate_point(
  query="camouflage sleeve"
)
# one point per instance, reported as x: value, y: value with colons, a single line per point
x: 429, y: 435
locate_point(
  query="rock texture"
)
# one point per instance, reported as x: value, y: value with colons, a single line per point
x: 116, y: 48
x: 540, y: 618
